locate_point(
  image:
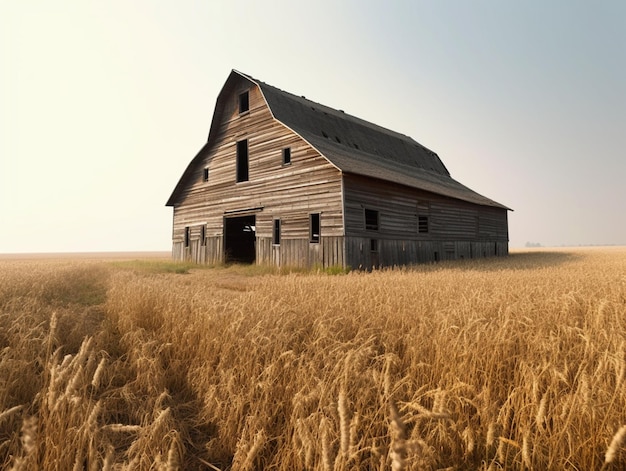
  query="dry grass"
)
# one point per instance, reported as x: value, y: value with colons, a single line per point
x: 515, y: 363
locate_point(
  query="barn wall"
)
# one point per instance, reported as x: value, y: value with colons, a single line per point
x: 310, y: 184
x: 300, y: 253
x: 406, y: 252
x: 456, y: 229
x: 211, y: 253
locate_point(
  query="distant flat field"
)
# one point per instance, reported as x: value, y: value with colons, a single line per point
x: 139, y: 255
x: 86, y: 255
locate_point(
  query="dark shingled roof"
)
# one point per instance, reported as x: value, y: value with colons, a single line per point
x: 363, y: 148
x: 355, y: 146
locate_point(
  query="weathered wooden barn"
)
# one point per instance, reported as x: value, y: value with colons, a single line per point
x: 286, y: 181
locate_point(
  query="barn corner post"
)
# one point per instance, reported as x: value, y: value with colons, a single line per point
x: 335, y: 191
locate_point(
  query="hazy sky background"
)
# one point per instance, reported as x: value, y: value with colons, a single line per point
x: 103, y: 104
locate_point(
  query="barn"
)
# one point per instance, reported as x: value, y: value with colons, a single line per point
x: 286, y: 181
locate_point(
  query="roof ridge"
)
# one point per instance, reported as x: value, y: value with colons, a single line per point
x: 338, y: 112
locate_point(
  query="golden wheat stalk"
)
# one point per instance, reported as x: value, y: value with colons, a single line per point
x: 28, y: 439
x: 344, y: 423
x: 97, y: 376
x: 257, y: 444
x: 493, y: 434
x: 354, y: 430
x: 541, y: 411
x: 174, y: 454
x: 107, y: 463
x: 9, y: 412
x: 93, y: 415
x: 526, y: 453
x: 469, y: 440
x: 327, y: 460
x: 122, y: 428
x: 615, y: 445
x: 398, y: 447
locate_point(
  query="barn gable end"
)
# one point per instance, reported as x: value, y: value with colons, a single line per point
x: 212, y: 199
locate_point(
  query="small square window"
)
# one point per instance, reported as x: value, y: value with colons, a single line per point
x: 286, y: 155
x: 276, y: 232
x: 314, y: 228
x: 373, y: 245
x: 205, y: 175
x: 244, y: 102
x: 371, y: 220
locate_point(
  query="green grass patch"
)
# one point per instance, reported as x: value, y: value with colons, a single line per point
x: 159, y: 266
x: 181, y: 268
x: 335, y: 270
x: 259, y: 270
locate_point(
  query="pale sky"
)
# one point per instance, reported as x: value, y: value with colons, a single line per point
x: 103, y: 104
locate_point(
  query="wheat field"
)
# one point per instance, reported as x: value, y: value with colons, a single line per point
x: 507, y: 363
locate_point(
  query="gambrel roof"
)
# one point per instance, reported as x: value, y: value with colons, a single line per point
x: 352, y: 145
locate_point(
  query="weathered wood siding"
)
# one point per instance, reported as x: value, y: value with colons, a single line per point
x: 456, y: 229
x: 299, y: 252
x: 309, y: 184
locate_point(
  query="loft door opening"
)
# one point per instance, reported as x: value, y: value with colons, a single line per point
x: 240, y: 239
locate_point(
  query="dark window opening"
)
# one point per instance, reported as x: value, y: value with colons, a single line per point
x: 202, y: 235
x: 205, y: 175
x: 242, y: 161
x: 315, y: 228
x: 276, y: 232
x: 240, y: 239
x: 244, y: 102
x: 422, y: 224
x: 187, y: 236
x: 371, y: 220
x: 286, y: 156
x: 373, y: 245
x: 436, y: 256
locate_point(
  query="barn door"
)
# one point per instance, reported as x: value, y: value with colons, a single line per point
x: 240, y: 239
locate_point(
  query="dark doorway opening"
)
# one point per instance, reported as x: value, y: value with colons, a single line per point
x: 239, y: 239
